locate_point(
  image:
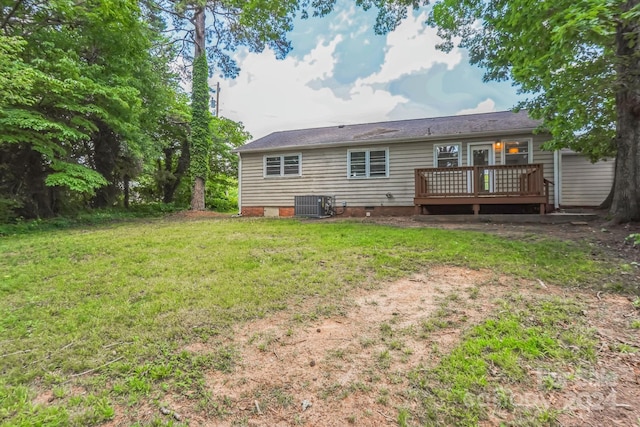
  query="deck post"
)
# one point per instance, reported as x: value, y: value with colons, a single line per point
x: 476, y: 209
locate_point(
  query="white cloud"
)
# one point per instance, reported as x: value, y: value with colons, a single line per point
x: 271, y: 95
x: 486, y: 106
x: 412, y: 47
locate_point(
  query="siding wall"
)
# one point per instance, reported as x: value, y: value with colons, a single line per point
x: 584, y: 183
x: 324, y: 172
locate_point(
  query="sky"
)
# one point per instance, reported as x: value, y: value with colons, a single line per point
x: 341, y: 72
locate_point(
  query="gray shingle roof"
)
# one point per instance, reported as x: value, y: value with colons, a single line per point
x: 396, y: 131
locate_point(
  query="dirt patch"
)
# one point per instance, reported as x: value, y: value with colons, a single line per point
x: 195, y: 215
x: 351, y: 369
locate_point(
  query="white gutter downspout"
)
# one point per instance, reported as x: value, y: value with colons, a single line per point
x: 239, y: 184
x: 556, y: 179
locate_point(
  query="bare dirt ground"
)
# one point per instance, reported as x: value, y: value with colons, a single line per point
x: 351, y: 367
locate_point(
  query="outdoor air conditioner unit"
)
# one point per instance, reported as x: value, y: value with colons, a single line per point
x: 313, y: 206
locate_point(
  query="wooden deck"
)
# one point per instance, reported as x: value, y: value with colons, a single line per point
x: 481, y: 185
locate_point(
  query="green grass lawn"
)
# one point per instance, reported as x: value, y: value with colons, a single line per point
x: 108, y: 308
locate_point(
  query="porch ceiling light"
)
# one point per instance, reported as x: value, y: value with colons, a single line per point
x: 498, y: 145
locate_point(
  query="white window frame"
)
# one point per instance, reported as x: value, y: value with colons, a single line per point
x: 529, y: 141
x: 367, y: 161
x: 435, y: 153
x: 282, y: 173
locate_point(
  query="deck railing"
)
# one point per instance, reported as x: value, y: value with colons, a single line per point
x: 481, y: 181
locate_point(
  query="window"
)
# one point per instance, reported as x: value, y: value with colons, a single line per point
x: 517, y: 152
x: 368, y: 163
x: 283, y: 165
x: 447, y: 156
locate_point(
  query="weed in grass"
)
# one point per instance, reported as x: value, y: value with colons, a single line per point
x: 59, y: 392
x: 281, y: 397
x: 403, y: 417
x: 623, y: 348
x: 395, y: 344
x: 383, y: 398
x: 540, y: 417
x: 338, y: 353
x: 331, y: 390
x: 351, y: 419
x: 359, y: 386
x: 431, y: 325
x: 474, y: 292
x: 386, y: 330
x: 406, y: 353
x: 552, y: 382
x: 366, y: 342
x: 383, y: 359
x: 452, y: 297
x: 635, y: 324
x: 504, y: 399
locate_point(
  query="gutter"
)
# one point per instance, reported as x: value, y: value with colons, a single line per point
x: 425, y: 138
x: 239, y: 184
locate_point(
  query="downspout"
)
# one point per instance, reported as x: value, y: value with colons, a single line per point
x: 556, y: 179
x: 239, y: 184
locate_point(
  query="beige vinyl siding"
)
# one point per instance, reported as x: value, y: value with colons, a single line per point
x: 546, y: 158
x: 584, y: 183
x: 324, y: 172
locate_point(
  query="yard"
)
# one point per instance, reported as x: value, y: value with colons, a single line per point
x: 236, y: 321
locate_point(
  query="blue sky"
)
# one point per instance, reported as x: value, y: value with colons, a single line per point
x: 340, y: 72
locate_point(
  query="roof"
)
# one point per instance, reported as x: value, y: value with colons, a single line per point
x: 502, y: 122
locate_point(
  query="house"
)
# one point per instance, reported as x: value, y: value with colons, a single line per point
x: 476, y: 163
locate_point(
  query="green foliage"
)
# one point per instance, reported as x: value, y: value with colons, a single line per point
x: 222, y: 193
x: 573, y: 50
x: 227, y: 135
x: 80, y: 97
x: 201, y: 137
x: 633, y: 238
x: 16, y: 77
x: 75, y: 177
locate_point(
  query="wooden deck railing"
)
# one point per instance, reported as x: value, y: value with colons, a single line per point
x: 481, y: 181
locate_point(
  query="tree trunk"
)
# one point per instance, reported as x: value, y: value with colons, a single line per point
x: 606, y: 204
x: 125, y: 183
x: 199, y: 38
x: 106, y: 147
x: 201, y: 135
x: 170, y: 186
x: 197, y: 195
x: 625, y: 206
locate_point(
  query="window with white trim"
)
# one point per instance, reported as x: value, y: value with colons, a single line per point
x: 283, y: 165
x: 446, y: 156
x: 368, y: 163
x: 517, y: 152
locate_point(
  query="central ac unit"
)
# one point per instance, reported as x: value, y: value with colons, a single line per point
x: 313, y: 206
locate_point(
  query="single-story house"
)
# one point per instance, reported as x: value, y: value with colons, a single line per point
x: 476, y: 163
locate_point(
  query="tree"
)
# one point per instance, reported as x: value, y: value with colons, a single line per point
x: 80, y: 94
x: 256, y: 24
x: 580, y: 63
x: 200, y: 115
